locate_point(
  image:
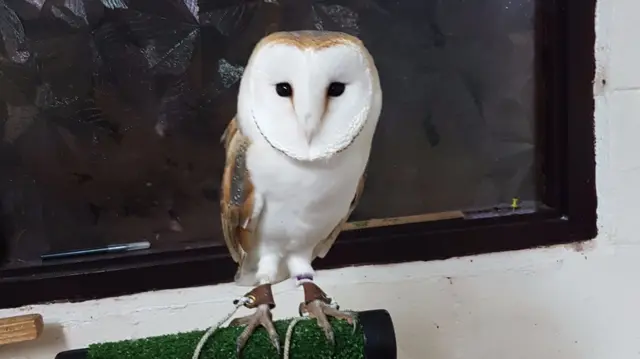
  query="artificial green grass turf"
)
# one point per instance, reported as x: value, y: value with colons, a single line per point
x: 307, y: 342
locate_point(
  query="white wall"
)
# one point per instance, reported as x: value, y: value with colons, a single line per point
x: 549, y: 303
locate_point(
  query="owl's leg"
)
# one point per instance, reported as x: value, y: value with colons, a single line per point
x: 261, y: 299
x: 316, y: 303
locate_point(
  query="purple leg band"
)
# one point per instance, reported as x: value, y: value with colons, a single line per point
x: 304, y: 276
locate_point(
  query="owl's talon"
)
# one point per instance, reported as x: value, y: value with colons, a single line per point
x: 262, y: 316
x: 328, y: 333
x: 275, y: 340
x: 237, y: 322
x: 319, y: 309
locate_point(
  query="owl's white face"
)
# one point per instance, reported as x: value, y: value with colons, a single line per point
x: 309, y: 94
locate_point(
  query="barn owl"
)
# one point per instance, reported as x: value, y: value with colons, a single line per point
x: 296, y: 153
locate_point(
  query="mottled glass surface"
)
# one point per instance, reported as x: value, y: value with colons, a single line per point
x: 111, y: 111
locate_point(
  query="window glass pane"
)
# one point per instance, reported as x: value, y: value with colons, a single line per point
x: 112, y: 111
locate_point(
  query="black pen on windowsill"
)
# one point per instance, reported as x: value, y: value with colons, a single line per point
x: 113, y: 248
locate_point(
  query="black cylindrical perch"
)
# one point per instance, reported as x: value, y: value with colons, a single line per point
x: 374, y: 337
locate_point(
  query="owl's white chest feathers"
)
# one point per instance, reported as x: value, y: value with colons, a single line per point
x: 303, y: 202
x: 315, y: 97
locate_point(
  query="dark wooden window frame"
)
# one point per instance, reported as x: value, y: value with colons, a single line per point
x: 565, y: 70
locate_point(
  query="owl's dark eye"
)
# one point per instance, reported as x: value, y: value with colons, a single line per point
x: 283, y: 89
x: 335, y: 89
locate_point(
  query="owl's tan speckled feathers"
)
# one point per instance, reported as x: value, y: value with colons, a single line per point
x: 309, y: 39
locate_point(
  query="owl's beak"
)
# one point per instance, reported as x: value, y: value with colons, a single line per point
x: 309, y: 133
x: 310, y: 108
x: 311, y: 125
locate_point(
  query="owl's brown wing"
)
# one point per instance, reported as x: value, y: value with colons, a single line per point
x: 323, y: 247
x: 239, y: 204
